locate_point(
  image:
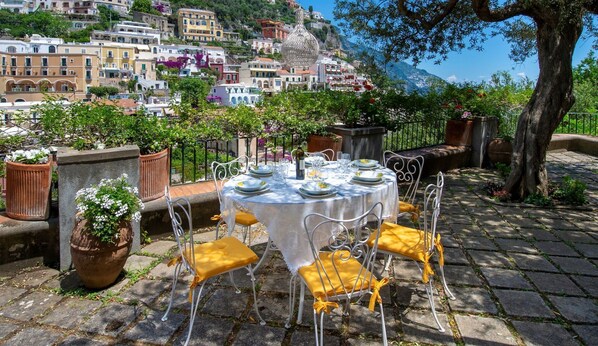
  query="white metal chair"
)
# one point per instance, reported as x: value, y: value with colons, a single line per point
x: 343, y: 265
x: 206, y: 260
x: 419, y: 244
x: 222, y: 172
x: 408, y: 171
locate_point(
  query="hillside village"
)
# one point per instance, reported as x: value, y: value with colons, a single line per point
x: 135, y: 58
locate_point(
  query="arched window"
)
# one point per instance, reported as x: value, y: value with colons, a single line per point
x: 52, y: 49
x: 11, y: 49
x: 233, y: 100
x: 245, y: 99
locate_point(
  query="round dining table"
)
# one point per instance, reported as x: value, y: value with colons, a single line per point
x: 282, y: 206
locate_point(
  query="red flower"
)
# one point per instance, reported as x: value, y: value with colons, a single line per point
x: 356, y: 88
x: 372, y: 100
x: 469, y: 91
x: 368, y: 87
x: 458, y: 107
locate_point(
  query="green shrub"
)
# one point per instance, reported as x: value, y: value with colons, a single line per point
x: 571, y: 191
x: 538, y: 199
x: 503, y: 169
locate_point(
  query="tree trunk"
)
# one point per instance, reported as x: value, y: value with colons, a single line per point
x: 551, y: 100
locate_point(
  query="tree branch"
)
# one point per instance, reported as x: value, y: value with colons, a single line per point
x: 483, y: 11
x: 592, y: 7
x: 446, y: 9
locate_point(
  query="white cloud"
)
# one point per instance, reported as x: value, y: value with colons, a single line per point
x: 451, y: 79
x: 521, y: 75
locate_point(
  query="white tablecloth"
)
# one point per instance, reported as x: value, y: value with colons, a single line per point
x: 282, y: 209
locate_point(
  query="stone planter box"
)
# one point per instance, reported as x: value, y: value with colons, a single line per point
x: 361, y: 142
x: 79, y: 169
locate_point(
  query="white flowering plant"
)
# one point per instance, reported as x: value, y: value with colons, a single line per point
x: 32, y: 156
x: 107, y: 204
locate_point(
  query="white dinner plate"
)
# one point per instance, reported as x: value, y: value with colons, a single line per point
x: 317, y: 188
x: 261, y: 170
x: 365, y: 163
x: 369, y: 176
x: 369, y: 183
x: 309, y: 195
x: 265, y: 188
x: 250, y: 185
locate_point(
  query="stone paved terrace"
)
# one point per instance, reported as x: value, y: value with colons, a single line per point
x: 522, y: 276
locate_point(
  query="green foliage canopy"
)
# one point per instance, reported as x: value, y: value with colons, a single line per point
x: 44, y: 23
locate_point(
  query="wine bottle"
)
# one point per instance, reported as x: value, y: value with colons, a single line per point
x: 299, y: 164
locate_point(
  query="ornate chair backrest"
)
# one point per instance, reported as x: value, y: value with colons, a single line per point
x: 223, y: 171
x: 408, y: 171
x: 343, y: 240
x: 182, y: 227
x: 433, y: 195
x: 326, y: 154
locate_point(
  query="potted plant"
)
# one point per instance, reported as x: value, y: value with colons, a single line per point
x: 28, y: 182
x: 102, y: 237
x: 152, y: 136
x: 363, y: 119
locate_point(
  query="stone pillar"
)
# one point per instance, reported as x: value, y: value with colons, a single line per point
x: 362, y: 142
x: 484, y: 130
x: 79, y: 169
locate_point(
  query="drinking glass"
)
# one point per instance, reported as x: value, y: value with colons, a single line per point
x: 345, y: 159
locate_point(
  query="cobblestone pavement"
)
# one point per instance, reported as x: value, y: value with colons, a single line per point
x: 521, y: 275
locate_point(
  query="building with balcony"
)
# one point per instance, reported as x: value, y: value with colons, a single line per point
x: 273, y: 29
x: 116, y: 63
x: 33, y: 44
x: 199, y: 25
x: 68, y: 7
x: 234, y: 94
x: 120, y: 6
x: 299, y: 79
x: 17, y: 6
x: 28, y: 76
x: 264, y: 46
x: 128, y: 32
x: 155, y: 21
x: 261, y: 73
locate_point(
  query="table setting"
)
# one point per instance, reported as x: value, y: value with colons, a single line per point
x: 339, y: 189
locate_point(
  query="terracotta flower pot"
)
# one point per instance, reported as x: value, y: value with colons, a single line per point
x: 319, y: 143
x: 153, y: 175
x: 98, y: 264
x: 458, y: 132
x: 500, y: 150
x: 28, y: 190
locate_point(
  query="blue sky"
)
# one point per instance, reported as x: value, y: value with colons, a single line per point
x: 471, y: 65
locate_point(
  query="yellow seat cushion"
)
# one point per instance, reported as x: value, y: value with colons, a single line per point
x: 405, y: 207
x: 408, y: 242
x: 348, y: 277
x: 219, y: 257
x: 245, y: 219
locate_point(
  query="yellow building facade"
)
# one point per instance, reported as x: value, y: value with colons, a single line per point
x: 199, y: 25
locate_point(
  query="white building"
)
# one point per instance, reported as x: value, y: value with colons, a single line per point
x: 128, y: 32
x: 35, y: 44
x: 17, y: 6
x: 265, y: 46
x: 261, y: 73
x: 234, y: 94
x: 296, y: 79
x: 120, y: 6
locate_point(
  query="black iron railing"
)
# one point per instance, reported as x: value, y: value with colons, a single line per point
x: 415, y: 134
x: 579, y: 123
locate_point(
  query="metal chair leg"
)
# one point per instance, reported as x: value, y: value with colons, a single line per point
x: 263, y: 255
x: 257, y: 312
x: 384, y: 338
x: 175, y: 279
x: 446, y: 289
x: 301, y: 300
x: 194, y: 305
x: 292, y: 291
x: 430, y: 291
